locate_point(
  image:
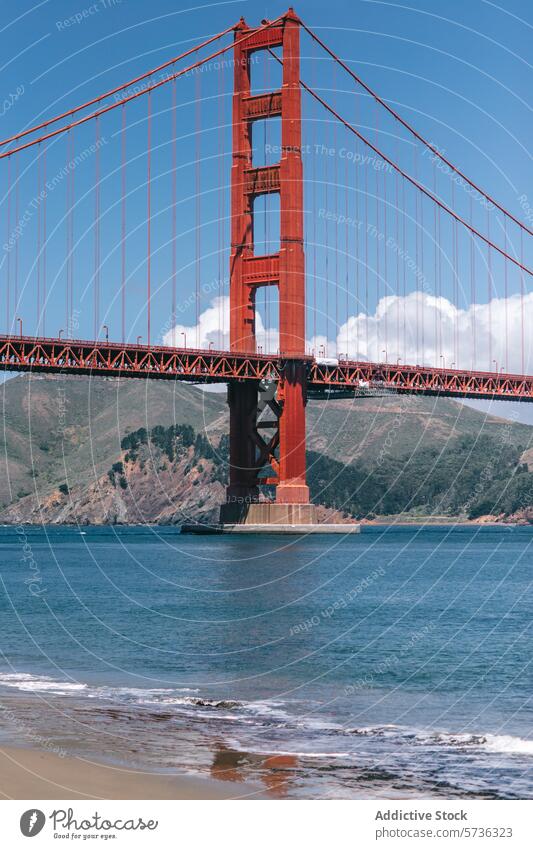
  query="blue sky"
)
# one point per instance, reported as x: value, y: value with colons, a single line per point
x: 458, y: 71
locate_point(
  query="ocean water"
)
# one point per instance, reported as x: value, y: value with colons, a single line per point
x: 396, y: 663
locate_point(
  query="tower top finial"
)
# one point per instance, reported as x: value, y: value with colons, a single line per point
x: 291, y: 14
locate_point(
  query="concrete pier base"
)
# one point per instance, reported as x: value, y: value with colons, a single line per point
x: 267, y: 513
x: 264, y: 517
x: 271, y: 529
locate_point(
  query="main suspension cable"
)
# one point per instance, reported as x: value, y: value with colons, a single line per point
x: 410, y: 179
x: 113, y: 91
x: 137, y: 94
x: 412, y: 130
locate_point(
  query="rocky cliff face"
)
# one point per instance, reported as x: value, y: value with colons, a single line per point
x: 143, y: 494
x: 169, y: 476
x: 141, y: 486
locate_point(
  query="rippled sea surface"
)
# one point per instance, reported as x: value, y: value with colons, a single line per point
x: 396, y: 663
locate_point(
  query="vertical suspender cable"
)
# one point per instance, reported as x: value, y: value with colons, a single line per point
x: 357, y: 256
x: 366, y: 267
x: 489, y: 273
x: 376, y: 236
x: 149, y: 222
x: 404, y: 248
x: 16, y: 281
x: 38, y: 260
x: 8, y: 260
x: 455, y: 280
x: 523, y: 364
x: 456, y: 296
x: 435, y: 266
x: 385, y: 276
x: 347, y: 306
x: 97, y: 234
x: 506, y: 284
x: 223, y: 217
x: 67, y: 226
x: 44, y: 193
x: 357, y: 223
x: 420, y: 274
x: 123, y: 225
x: 417, y: 235
x: 314, y: 212
x: 397, y: 248
x: 326, y: 186
x: 71, y: 222
x: 198, y: 117
x: 220, y: 106
x: 174, y: 210
x: 472, y: 292
x: 336, y: 219
x: 439, y: 276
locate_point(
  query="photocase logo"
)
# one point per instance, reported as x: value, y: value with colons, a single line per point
x: 32, y: 822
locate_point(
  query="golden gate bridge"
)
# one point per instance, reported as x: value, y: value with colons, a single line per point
x: 255, y: 214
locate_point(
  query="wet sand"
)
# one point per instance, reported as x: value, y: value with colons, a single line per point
x: 34, y: 774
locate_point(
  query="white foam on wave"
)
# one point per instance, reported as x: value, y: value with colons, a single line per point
x: 168, y: 697
x: 245, y: 712
x: 149, y: 696
x: 315, y: 723
x: 44, y: 683
x: 311, y: 755
x: 198, y: 701
x: 378, y: 731
x: 39, y: 683
x: 503, y: 743
x: 273, y: 753
x: 507, y: 744
x: 183, y: 697
x: 267, y: 709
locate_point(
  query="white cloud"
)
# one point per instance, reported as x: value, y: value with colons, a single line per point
x: 213, y: 327
x: 418, y: 329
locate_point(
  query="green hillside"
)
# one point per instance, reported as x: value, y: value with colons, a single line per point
x: 351, y: 429
x: 59, y: 429
x: 368, y: 455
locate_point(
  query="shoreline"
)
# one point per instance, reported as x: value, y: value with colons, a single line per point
x: 29, y: 773
x: 441, y: 521
x: 393, y: 521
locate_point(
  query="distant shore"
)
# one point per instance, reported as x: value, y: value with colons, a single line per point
x: 393, y: 519
x: 442, y: 520
x: 35, y: 774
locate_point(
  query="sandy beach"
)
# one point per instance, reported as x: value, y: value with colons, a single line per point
x: 34, y: 774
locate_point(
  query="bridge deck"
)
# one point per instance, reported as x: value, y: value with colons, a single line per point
x: 62, y: 356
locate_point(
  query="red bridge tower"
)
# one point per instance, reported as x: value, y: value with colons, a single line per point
x: 277, y: 442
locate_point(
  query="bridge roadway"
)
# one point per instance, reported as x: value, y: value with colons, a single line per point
x: 326, y: 378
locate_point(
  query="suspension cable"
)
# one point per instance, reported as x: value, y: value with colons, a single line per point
x: 407, y: 176
x: 137, y: 94
x: 113, y: 91
x: 412, y: 130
